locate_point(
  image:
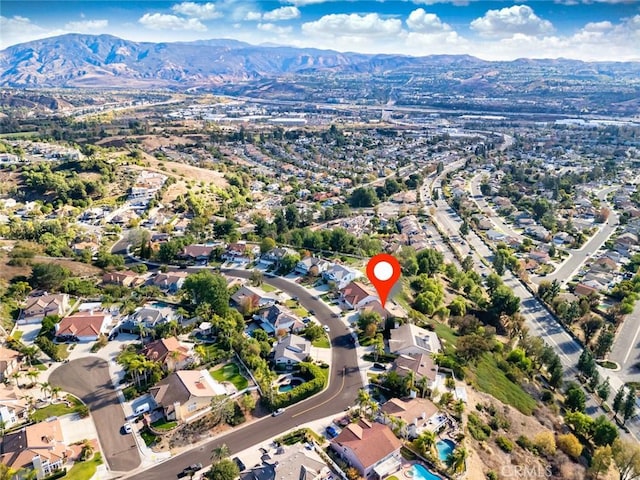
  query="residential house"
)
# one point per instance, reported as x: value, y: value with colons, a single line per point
x: 38, y: 447
x: 356, y: 295
x: 170, y: 281
x: 240, y: 252
x: 495, y: 236
x: 13, y: 406
x: 37, y: 308
x: 186, y: 394
x: 340, y: 276
x: 82, y: 326
x: 9, y: 363
x: 410, y: 339
x: 170, y: 353
x: 80, y: 247
x: 390, y: 310
x: 538, y: 232
x: 417, y: 414
x: 279, y: 317
x: 275, y: 256
x: 626, y: 241
x: 314, y: 266
x: 197, y: 252
x: 255, y: 296
x: 539, y: 256
x: 292, y: 350
x: 605, y: 264
x: 150, y: 316
x: 369, y: 447
x: 295, y: 463
x: 419, y: 365
x: 126, y: 278
x: 585, y: 290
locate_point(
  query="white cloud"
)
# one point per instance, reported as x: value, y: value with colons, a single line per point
x: 302, y: 3
x: 160, y: 21
x: 19, y: 29
x: 273, y: 28
x: 282, y: 13
x: 253, y: 16
x: 509, y: 21
x: 457, y: 3
x: 421, y: 21
x: 202, y: 11
x: 87, y: 26
x: 353, y: 25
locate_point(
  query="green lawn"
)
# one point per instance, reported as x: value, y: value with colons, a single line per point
x: 56, y: 410
x: 63, y: 353
x: 163, y: 424
x: 84, y: 470
x: 492, y: 380
x: 148, y: 437
x: 297, y: 308
x: 268, y: 288
x: 322, y: 342
x: 446, y: 335
x: 230, y: 373
x: 17, y: 335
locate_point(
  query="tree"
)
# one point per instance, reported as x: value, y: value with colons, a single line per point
x: 581, y: 423
x: 626, y: 457
x: 604, y: 390
x: 629, y: 407
x: 457, y: 461
x: 603, y: 431
x: 220, y: 452
x: 570, y: 445
x: 425, y: 443
x: 618, y: 401
x: 590, y: 327
x: 48, y: 276
x: 6, y: 472
x: 33, y: 375
x: 289, y: 262
x: 267, y: 244
x: 207, y: 287
x: 247, y: 402
x: 600, y: 461
x: 504, y: 302
x: 464, y: 229
x: 430, y: 261
x: 256, y: 278
x: 223, y: 470
x: 467, y: 263
x: 586, y: 363
x: 363, y: 197
x: 604, y: 343
x: 575, y: 398
x: 499, y: 262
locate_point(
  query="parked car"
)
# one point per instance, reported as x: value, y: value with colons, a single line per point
x: 241, y: 466
x: 379, y: 366
x: 332, y: 431
x: 127, y: 428
x: 190, y: 469
x: 326, y: 328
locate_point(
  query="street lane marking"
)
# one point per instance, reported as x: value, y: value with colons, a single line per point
x: 326, y: 401
x: 631, y: 347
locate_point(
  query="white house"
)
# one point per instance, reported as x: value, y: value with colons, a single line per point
x: 312, y: 266
x: 292, y: 350
x: 410, y: 339
x: 340, y: 275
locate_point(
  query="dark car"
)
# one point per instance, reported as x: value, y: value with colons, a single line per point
x: 379, y: 366
x: 190, y: 469
x: 332, y: 432
x: 335, y: 315
x: 238, y: 462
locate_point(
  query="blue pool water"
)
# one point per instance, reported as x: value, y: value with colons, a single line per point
x: 445, y: 447
x: 294, y: 383
x: 421, y: 473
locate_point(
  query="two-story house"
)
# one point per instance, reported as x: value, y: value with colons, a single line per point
x: 9, y: 363
x: 278, y: 317
x: 170, y: 353
x: 356, y: 295
x: 13, y: 406
x: 38, y: 307
x: 170, y: 281
x: 340, y: 276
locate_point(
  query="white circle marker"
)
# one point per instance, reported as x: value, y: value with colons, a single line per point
x: 383, y: 271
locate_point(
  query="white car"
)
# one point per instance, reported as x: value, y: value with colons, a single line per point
x: 326, y: 328
x: 127, y: 428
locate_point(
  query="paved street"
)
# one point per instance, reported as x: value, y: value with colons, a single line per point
x: 89, y: 379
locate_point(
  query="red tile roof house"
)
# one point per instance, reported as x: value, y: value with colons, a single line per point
x: 170, y: 353
x: 369, y: 447
x: 85, y: 327
x: 356, y: 295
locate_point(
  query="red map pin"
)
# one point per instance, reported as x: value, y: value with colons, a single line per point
x: 383, y: 270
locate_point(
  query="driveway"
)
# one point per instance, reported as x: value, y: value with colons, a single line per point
x: 89, y: 379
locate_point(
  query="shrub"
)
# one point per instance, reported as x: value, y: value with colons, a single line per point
x: 545, y: 442
x: 570, y: 445
x: 477, y: 428
x: 504, y: 443
x: 492, y: 475
x: 525, y: 443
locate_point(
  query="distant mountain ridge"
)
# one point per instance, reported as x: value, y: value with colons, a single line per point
x: 76, y: 60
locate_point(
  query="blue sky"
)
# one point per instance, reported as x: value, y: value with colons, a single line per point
x: 583, y: 29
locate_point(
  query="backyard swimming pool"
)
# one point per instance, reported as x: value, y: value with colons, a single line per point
x: 290, y: 386
x: 445, y: 447
x: 421, y: 473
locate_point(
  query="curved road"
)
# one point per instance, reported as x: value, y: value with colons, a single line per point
x: 88, y: 378
x: 344, y: 382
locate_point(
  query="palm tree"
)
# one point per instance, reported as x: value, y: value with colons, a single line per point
x: 31, y: 353
x: 55, y: 392
x: 45, y: 387
x: 364, y: 399
x: 33, y: 375
x: 202, y: 353
x: 422, y: 383
x: 16, y: 376
x: 457, y: 461
x: 426, y: 442
x: 220, y: 452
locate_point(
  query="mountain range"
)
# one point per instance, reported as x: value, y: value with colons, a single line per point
x: 76, y: 60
